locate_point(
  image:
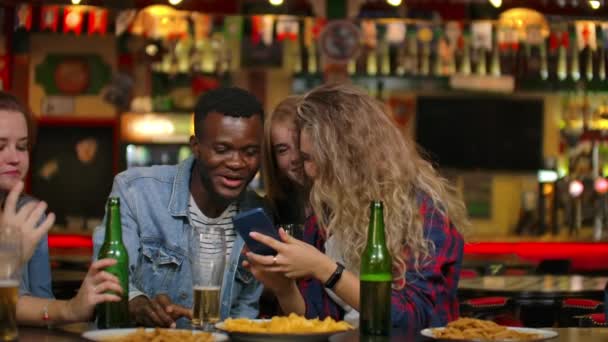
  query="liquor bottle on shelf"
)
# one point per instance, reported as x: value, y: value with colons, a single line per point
x: 465, y: 63
x: 385, y: 58
x: 481, y: 68
x: 495, y: 57
x: 371, y: 64
x: 575, y: 71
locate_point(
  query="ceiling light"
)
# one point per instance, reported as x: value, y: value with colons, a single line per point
x: 595, y: 4
x: 394, y: 2
x: 175, y: 2
x: 496, y: 3
x: 276, y: 2
x: 76, y: 2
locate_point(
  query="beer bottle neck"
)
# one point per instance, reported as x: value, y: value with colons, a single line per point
x: 376, y: 228
x: 113, y: 225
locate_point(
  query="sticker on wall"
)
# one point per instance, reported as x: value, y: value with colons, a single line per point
x: 72, y: 74
x: 57, y: 105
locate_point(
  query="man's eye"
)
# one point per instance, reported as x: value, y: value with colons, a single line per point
x: 252, y: 151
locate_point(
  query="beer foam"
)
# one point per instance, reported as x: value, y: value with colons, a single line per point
x: 206, y: 287
x: 9, y: 283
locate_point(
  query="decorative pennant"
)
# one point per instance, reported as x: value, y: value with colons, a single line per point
x: 267, y: 29
x: 256, y: 29
x: 585, y: 34
x: 369, y: 33
x: 72, y: 20
x: 319, y: 24
x: 395, y: 33
x: 98, y: 21
x: 287, y: 27
x: 124, y: 20
x: 49, y: 18
x: 23, y: 17
x: 482, y: 35
x: 203, y: 25
x: 453, y: 33
x: 233, y: 27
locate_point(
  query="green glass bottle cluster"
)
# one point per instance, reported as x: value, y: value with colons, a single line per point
x: 376, y: 278
x: 115, y: 314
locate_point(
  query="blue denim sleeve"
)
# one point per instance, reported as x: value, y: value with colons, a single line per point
x: 36, y: 275
x: 247, y: 303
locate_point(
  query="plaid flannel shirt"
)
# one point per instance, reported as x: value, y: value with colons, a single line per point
x: 429, y: 297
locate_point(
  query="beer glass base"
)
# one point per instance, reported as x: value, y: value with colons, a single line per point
x: 204, y: 326
x: 9, y: 336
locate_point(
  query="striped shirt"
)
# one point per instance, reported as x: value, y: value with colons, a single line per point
x: 200, y: 223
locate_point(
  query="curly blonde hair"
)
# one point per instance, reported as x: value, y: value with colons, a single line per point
x: 362, y: 156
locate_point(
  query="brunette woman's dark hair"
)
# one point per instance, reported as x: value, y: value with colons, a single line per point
x: 9, y: 102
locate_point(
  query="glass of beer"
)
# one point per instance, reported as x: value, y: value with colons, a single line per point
x: 10, y: 265
x: 209, y: 255
x: 295, y: 230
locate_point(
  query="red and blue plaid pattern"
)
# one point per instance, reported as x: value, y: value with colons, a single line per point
x: 429, y: 297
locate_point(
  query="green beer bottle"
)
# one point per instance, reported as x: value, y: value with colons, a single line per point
x: 376, y: 278
x: 115, y: 314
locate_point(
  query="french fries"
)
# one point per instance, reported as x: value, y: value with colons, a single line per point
x: 292, y: 324
x: 164, y: 335
x: 471, y: 328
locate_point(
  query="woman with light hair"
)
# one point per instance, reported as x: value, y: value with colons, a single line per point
x: 354, y: 154
x: 282, y: 169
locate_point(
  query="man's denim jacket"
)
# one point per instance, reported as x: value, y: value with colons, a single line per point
x: 156, y: 232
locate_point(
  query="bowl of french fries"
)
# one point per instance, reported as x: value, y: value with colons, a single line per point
x: 472, y: 329
x: 282, y: 328
x: 152, y: 335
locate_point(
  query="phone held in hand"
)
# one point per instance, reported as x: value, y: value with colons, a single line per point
x: 255, y: 220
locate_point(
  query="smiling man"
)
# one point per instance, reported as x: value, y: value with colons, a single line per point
x: 162, y: 205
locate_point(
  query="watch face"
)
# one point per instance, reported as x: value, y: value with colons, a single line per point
x: 340, y: 40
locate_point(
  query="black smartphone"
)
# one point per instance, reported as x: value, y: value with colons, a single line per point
x: 255, y: 220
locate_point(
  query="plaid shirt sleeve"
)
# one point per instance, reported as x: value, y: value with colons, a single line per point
x: 429, y: 297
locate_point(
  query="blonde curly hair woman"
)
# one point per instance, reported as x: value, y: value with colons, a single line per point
x: 354, y: 154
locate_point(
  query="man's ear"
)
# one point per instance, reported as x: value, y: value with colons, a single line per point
x: 194, y: 145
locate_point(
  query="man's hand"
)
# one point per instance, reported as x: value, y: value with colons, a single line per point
x: 156, y: 312
x: 176, y: 311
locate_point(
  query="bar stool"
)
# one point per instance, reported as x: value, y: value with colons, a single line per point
x: 573, y: 308
x: 596, y: 320
x: 497, y: 309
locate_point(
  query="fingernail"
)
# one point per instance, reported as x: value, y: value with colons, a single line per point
x: 252, y: 234
x: 172, y: 325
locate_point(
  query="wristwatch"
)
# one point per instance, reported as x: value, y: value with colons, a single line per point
x: 333, y: 279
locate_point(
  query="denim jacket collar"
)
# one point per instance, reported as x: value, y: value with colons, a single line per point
x: 180, y: 193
